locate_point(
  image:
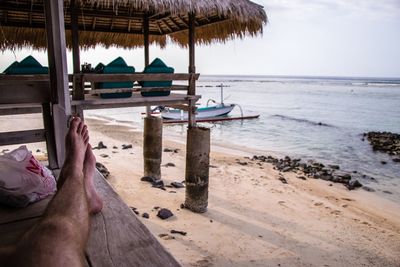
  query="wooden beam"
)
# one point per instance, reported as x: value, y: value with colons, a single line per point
x: 138, y: 77
x: 94, y: 23
x: 50, y: 141
x: 192, y: 41
x: 139, y: 89
x: 192, y: 69
x: 146, y: 26
x: 183, y: 22
x: 112, y: 24
x: 93, y: 102
x: 21, y: 137
x: 18, y: 92
x: 75, y: 38
x: 175, y: 23
x: 20, y: 109
x: 166, y: 25
x: 61, y: 108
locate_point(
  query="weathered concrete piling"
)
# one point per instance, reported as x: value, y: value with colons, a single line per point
x: 197, y: 169
x: 152, y: 146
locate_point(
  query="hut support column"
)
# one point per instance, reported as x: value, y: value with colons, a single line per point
x: 192, y: 69
x: 197, y: 169
x: 152, y: 146
x: 152, y: 132
x: 78, y: 85
x: 61, y: 104
x: 146, y: 26
x: 197, y: 144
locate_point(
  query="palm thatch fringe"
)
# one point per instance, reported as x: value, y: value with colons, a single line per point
x: 217, y: 21
x: 16, y: 38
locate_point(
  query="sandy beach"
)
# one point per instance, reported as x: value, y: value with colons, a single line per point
x: 253, y: 219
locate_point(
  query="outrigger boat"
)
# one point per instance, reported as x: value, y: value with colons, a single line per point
x: 217, y: 110
x: 201, y: 113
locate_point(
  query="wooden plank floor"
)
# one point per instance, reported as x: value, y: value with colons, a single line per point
x: 117, y: 237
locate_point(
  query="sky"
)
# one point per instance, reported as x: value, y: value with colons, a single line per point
x: 357, y: 38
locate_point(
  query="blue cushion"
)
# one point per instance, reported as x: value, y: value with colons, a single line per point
x: 28, y: 65
x: 118, y: 65
x: 157, y: 66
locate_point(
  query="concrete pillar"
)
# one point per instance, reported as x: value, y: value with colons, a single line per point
x: 197, y: 169
x: 152, y: 146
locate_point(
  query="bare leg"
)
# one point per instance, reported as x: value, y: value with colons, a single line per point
x: 89, y: 166
x: 60, y: 238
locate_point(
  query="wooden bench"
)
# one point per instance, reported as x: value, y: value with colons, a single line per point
x: 117, y: 237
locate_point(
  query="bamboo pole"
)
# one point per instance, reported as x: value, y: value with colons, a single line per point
x: 152, y: 146
x: 197, y: 169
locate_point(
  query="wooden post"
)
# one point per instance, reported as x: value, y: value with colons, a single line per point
x: 152, y: 146
x: 61, y: 104
x: 192, y: 69
x: 50, y: 141
x: 146, y: 26
x: 75, y: 38
x: 197, y: 169
x: 78, y: 85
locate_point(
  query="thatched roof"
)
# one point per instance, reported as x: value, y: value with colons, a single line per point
x: 120, y: 22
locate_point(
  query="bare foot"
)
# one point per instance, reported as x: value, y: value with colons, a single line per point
x: 76, y: 142
x: 94, y: 200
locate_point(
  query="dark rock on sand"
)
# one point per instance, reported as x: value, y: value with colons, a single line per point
x: 312, y: 169
x: 174, y: 150
x: 115, y: 147
x: 178, y: 232
x: 104, y: 156
x: 102, y: 169
x: 126, y: 146
x: 100, y: 146
x: 283, y: 180
x: 177, y: 185
x: 396, y: 159
x: 164, y: 214
x: 134, y: 210
x: 146, y: 215
x: 334, y: 167
x: 158, y: 183
x: 369, y: 189
x: 353, y: 184
x: 169, y: 164
x: 387, y: 192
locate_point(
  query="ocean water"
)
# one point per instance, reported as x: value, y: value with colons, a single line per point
x: 305, y: 117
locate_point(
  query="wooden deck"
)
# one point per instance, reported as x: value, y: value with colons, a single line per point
x: 117, y: 237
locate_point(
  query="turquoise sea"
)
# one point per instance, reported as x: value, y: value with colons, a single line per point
x: 321, y: 118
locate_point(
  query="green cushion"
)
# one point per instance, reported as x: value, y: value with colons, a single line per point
x: 118, y: 65
x: 28, y: 65
x: 157, y: 66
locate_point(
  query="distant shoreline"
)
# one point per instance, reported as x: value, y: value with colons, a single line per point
x: 309, y: 77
